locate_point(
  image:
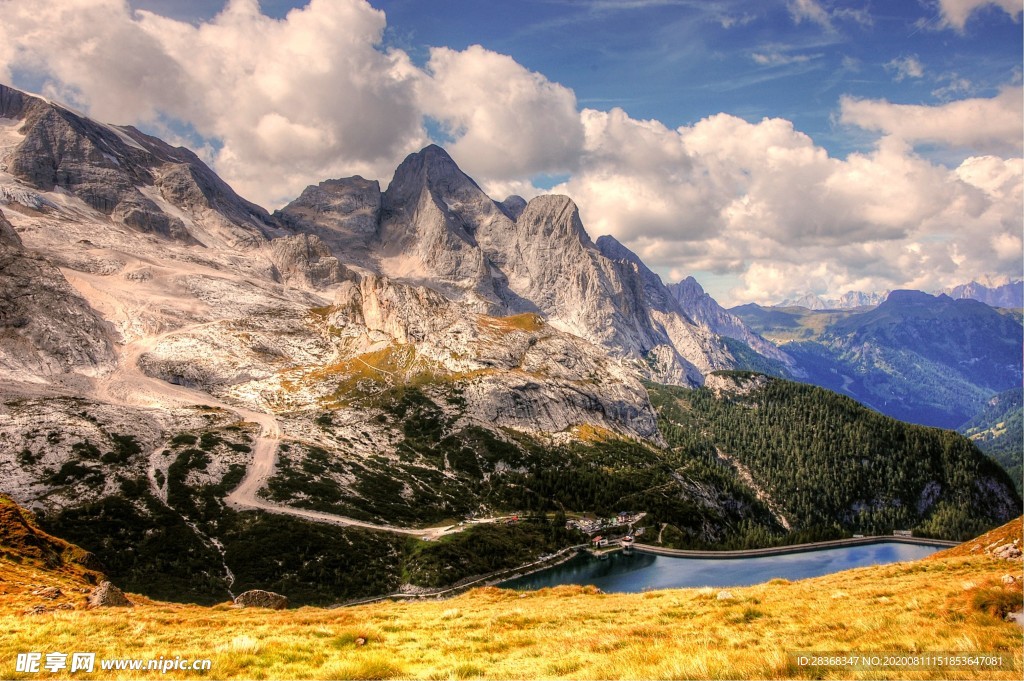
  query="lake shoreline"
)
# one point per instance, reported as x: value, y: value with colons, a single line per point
x: 638, y: 570
x: 792, y: 548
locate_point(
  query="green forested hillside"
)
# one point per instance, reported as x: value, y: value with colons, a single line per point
x: 829, y: 462
x: 999, y: 431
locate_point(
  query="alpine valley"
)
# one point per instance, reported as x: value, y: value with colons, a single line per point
x: 371, y: 391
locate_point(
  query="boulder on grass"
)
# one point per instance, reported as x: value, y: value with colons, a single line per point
x: 258, y: 598
x: 106, y: 595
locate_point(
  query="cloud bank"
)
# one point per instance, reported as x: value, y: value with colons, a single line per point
x: 955, y: 13
x: 286, y: 103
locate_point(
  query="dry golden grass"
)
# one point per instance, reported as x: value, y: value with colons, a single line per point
x: 567, y: 632
x: 1004, y: 534
x: 527, y: 321
x: 368, y: 374
x: 590, y: 433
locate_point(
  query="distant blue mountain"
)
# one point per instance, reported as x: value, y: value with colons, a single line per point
x: 917, y: 357
x: 998, y: 293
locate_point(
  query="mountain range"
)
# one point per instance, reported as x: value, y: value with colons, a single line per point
x: 925, y: 359
x: 191, y: 385
x: 993, y: 291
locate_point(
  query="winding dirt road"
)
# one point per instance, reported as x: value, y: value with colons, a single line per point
x: 128, y: 385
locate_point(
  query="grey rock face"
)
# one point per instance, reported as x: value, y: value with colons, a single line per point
x: 139, y: 212
x: 1009, y: 294
x: 513, y: 206
x: 436, y: 228
x: 520, y: 372
x: 106, y: 165
x: 307, y: 258
x: 106, y: 595
x: 706, y: 311
x: 431, y: 213
x: 8, y: 237
x: 344, y: 213
x: 46, y: 328
x: 257, y: 598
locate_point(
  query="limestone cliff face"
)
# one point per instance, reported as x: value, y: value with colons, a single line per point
x: 542, y: 328
x: 344, y: 214
x: 305, y: 259
x: 516, y: 372
x: 431, y: 215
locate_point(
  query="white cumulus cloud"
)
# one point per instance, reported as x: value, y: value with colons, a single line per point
x: 985, y: 123
x: 763, y: 201
x: 288, y: 101
x: 507, y: 122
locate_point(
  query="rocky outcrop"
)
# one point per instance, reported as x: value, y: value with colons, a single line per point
x: 106, y: 595
x: 306, y: 260
x: 141, y: 213
x: 514, y: 372
x: 513, y: 206
x: 257, y: 598
x: 22, y: 540
x: 735, y: 383
x: 9, y: 238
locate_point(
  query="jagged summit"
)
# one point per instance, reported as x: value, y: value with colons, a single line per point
x: 553, y: 218
x: 1000, y: 291
x: 343, y: 213
x: 433, y: 231
x: 706, y: 312
x: 435, y: 227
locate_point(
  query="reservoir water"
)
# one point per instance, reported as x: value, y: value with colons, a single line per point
x: 622, y: 573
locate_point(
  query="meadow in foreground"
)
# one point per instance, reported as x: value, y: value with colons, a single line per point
x: 950, y: 604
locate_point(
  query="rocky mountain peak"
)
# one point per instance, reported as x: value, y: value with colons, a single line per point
x: 136, y: 180
x: 344, y: 213
x: 611, y: 247
x: 431, y: 168
x: 908, y: 297
x: 513, y: 206
x: 994, y: 291
x: 689, y: 287
x: 555, y: 217
x: 707, y: 313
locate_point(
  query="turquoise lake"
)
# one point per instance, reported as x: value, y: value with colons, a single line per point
x: 621, y: 573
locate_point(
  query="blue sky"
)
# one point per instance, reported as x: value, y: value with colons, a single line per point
x: 677, y: 61
x: 768, y: 148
